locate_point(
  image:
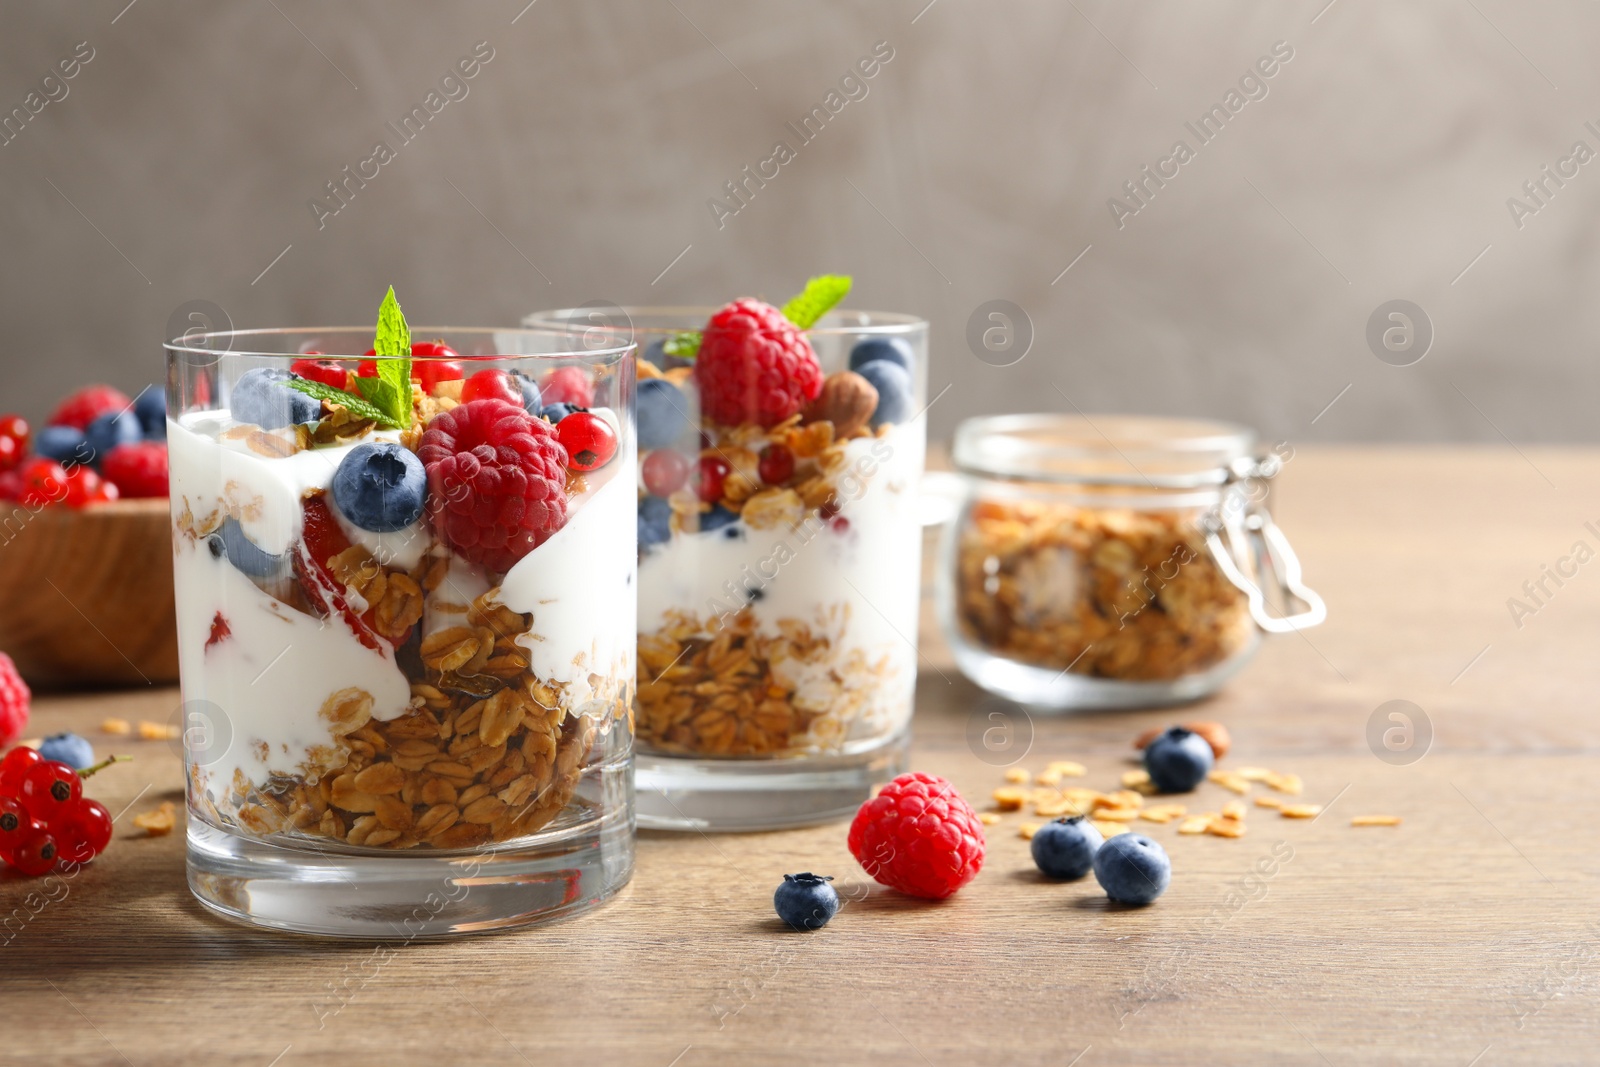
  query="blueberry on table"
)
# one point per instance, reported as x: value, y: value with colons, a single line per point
x: 893, y: 383
x: 1132, y: 869
x: 663, y: 413
x: 806, y: 901
x: 230, y: 541
x: 64, y: 444
x: 1178, y: 760
x: 893, y: 349
x: 380, y: 487
x: 108, y: 431
x: 1065, y: 848
x: 262, y: 397
x: 74, y: 751
x: 150, y: 407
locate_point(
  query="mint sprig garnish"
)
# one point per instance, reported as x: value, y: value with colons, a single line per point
x: 820, y: 296
x: 683, y: 345
x: 358, y: 407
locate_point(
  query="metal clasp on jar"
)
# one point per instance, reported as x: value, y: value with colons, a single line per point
x: 1265, y: 544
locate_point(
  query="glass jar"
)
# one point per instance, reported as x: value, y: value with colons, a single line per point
x: 1112, y: 563
x: 779, y: 575
x: 407, y: 659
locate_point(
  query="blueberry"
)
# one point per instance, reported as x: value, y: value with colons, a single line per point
x: 554, y: 413
x: 1178, y: 760
x: 151, y: 408
x: 1065, y: 848
x: 806, y: 901
x: 1132, y: 869
x: 64, y: 444
x: 663, y: 413
x: 654, y: 514
x: 894, y: 349
x: 261, y: 397
x: 380, y: 487
x: 74, y: 751
x: 530, y: 391
x: 232, y: 543
x: 893, y: 383
x: 719, y: 518
x: 108, y: 431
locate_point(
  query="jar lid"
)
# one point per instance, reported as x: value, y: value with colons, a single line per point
x: 1121, y: 450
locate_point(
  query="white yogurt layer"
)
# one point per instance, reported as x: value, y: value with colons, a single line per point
x: 859, y: 585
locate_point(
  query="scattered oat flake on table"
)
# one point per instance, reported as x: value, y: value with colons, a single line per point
x: 1110, y: 829
x: 116, y: 727
x: 1254, y: 774
x: 1196, y: 824
x: 1048, y: 778
x: 1268, y: 802
x: 1285, y: 783
x: 1224, y: 827
x: 1231, y: 781
x: 1300, y: 811
x: 1010, y: 798
x: 158, y: 822
x: 1115, y: 814
x: 157, y: 731
x: 988, y: 818
x: 1051, y: 809
x: 1067, y: 768
x: 1375, y: 820
x: 1234, y: 809
x: 1162, y: 813
x: 1134, y: 779
x: 1017, y: 775
x: 1027, y: 830
x: 1123, y: 798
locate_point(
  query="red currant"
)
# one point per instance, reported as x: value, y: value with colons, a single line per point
x: 15, y: 824
x: 664, y: 471
x: 15, y: 767
x: 436, y: 363
x: 589, y: 440
x: 44, y: 481
x: 16, y: 428
x: 11, y: 452
x: 492, y: 385
x: 36, y: 853
x: 10, y: 485
x: 83, y: 486
x: 49, y: 789
x: 84, y: 831
x: 840, y: 524
x: 367, y: 368
x: 777, y: 465
x: 708, y: 477
x: 326, y: 371
x: 105, y: 493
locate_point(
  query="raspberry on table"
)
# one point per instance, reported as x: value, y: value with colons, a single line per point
x: 496, y: 481
x: 755, y: 366
x: 919, y: 836
x: 88, y: 404
x: 14, y: 702
x: 137, y: 470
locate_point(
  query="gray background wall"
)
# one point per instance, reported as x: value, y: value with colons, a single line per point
x: 978, y: 166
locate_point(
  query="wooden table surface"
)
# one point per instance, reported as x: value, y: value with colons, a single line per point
x: 1469, y: 935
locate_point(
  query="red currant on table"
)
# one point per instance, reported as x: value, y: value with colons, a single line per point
x: 44, y: 481
x: 708, y: 477
x: 10, y: 485
x: 83, y: 832
x: 492, y: 385
x: 16, y: 428
x: 589, y: 440
x: 83, y: 487
x: 664, y: 471
x: 777, y: 465
x: 49, y: 789
x: 15, y: 767
x: 15, y: 824
x: 36, y: 853
x: 11, y: 452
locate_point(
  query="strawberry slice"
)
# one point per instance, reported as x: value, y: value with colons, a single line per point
x: 320, y: 540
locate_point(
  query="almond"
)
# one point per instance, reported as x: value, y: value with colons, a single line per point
x: 847, y: 400
x: 1215, y: 733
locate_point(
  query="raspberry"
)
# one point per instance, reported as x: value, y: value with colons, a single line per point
x: 567, y: 385
x: 14, y: 697
x: 919, y: 836
x: 497, y: 481
x: 755, y: 366
x: 137, y: 470
x: 88, y: 404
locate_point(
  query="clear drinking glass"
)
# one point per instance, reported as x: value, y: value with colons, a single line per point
x: 1118, y: 562
x: 777, y: 604
x: 407, y: 684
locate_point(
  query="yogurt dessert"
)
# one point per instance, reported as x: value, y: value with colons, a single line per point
x: 779, y: 537
x: 405, y: 592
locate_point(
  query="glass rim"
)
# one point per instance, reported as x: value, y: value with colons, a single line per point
x: 195, y: 344
x: 1107, y: 450
x: 883, y: 323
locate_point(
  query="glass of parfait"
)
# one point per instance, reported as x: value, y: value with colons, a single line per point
x: 406, y: 625
x: 779, y: 555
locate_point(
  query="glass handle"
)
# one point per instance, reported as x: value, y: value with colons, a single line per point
x: 1285, y: 565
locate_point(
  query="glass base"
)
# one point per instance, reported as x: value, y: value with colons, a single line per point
x: 681, y: 793
x: 412, y: 895
x: 1046, y: 689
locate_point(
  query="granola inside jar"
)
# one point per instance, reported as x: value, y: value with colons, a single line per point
x: 1113, y: 562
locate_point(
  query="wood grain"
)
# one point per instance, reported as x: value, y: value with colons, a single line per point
x: 88, y: 594
x: 1470, y: 931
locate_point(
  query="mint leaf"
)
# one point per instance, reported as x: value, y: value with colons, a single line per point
x: 394, y: 336
x: 396, y: 375
x: 349, y: 401
x: 390, y: 391
x: 682, y: 345
x: 821, y: 294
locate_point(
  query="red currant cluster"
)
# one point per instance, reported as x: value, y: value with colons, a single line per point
x: 44, y: 817
x: 666, y: 470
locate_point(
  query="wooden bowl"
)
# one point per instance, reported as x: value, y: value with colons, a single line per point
x: 86, y: 596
